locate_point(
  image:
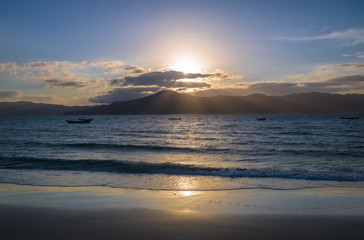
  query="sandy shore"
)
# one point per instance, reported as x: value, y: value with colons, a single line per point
x: 28, y: 212
x: 56, y: 223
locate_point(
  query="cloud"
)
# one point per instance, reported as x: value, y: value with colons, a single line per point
x: 350, y: 82
x: 334, y: 85
x: 19, y: 96
x: 326, y: 72
x: 41, y: 99
x: 60, y: 65
x: 124, y: 94
x: 63, y: 83
x: 357, y: 54
x: 73, y: 74
x: 9, y: 94
x: 40, y: 65
x: 134, y: 69
x: 350, y: 65
x: 348, y: 37
x: 106, y: 64
x: 7, y: 66
x: 166, y: 79
x: 344, y: 84
x: 116, y: 67
x: 170, y: 79
x: 140, y: 85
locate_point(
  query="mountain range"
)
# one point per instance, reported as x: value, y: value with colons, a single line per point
x: 169, y: 102
x: 30, y: 108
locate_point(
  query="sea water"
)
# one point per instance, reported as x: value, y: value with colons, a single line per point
x: 198, y: 152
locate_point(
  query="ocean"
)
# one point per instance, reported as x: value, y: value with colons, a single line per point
x: 196, y: 153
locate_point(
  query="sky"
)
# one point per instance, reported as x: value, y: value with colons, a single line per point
x: 101, y: 51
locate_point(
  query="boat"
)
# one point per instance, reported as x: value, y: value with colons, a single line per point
x: 261, y: 119
x: 350, y: 118
x: 80, y: 120
x: 174, y: 118
x: 85, y: 119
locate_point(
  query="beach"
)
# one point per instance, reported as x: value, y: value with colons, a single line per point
x: 202, y: 177
x: 33, y: 212
x: 185, y: 120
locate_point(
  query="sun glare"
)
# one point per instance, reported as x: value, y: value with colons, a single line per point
x: 186, y: 65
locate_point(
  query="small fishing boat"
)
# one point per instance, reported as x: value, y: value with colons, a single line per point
x: 80, y: 120
x: 174, y: 118
x: 350, y: 118
x: 261, y: 119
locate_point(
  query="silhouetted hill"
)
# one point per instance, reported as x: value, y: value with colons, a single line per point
x: 29, y: 108
x: 169, y: 102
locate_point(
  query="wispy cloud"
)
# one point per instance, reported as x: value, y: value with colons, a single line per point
x: 63, y: 83
x: 348, y: 37
x: 43, y: 99
x: 116, y: 66
x: 9, y: 94
x: 39, y: 65
x: 326, y: 72
x: 14, y: 96
x: 105, y: 64
x: 347, y: 65
x: 357, y: 54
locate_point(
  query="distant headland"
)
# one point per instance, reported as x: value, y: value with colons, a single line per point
x: 170, y: 102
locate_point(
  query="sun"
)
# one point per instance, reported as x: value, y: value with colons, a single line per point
x: 186, y: 65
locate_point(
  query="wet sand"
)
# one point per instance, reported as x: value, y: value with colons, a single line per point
x: 31, y: 212
x: 57, y: 223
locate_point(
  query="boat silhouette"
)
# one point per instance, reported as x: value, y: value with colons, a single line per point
x: 350, y: 118
x: 80, y: 120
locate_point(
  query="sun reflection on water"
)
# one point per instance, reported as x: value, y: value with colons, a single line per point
x: 185, y: 186
x: 188, y: 193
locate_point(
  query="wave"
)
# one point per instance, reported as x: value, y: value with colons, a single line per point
x: 302, y: 150
x: 116, y: 166
x: 296, y: 133
x: 90, y: 146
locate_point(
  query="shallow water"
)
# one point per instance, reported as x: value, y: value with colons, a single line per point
x: 199, y: 152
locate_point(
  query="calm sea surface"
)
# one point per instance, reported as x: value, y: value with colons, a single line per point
x: 198, y: 152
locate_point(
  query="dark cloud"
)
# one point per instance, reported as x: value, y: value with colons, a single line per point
x: 124, y: 94
x: 134, y: 69
x: 63, y: 83
x: 353, y: 65
x: 37, y: 64
x: 9, y: 94
x: 161, y: 79
x: 352, y: 80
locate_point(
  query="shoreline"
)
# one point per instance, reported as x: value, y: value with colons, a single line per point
x: 311, y: 201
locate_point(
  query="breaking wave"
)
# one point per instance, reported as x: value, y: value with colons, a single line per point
x: 128, y: 167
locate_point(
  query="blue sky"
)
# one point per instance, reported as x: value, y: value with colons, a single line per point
x: 91, y: 52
